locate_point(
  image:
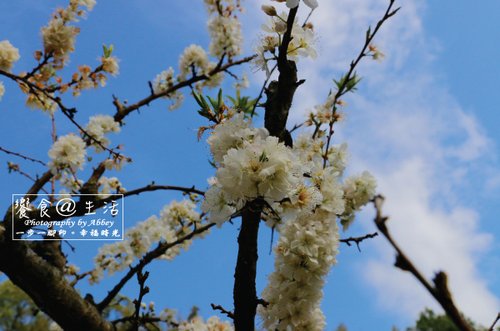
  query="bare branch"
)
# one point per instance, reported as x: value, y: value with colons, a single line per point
x: 146, y: 259
x: 494, y: 322
x: 122, y: 111
x: 222, y: 310
x: 440, y: 290
x: 358, y: 240
x: 16, y: 168
x: 351, y: 74
x: 22, y: 156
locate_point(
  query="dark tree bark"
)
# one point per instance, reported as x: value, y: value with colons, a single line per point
x: 48, y: 288
x: 279, y: 100
x: 244, y: 292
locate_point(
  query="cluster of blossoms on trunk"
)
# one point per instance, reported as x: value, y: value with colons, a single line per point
x: 304, y: 198
x: 301, y: 45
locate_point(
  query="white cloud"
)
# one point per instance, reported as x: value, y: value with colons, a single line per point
x: 407, y: 129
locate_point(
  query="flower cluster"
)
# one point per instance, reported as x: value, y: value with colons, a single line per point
x: 252, y: 165
x: 110, y: 65
x: 224, y: 28
x: 313, y: 4
x: 304, y: 254
x: 231, y: 134
x: 194, y: 59
x: 68, y: 152
x: 58, y: 35
x: 176, y: 220
x: 109, y: 185
x: 164, y: 82
x: 358, y: 191
x: 98, y: 127
x: 8, y: 55
x: 198, y: 324
x: 59, y: 38
x: 304, y: 197
x: 301, y: 43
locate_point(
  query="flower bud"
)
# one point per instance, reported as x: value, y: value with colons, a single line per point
x: 269, y: 10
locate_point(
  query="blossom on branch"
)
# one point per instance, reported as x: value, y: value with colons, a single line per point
x: 68, y: 152
x: 8, y: 55
x: 176, y: 220
x: 98, y: 127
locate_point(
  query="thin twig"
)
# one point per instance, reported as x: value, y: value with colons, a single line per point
x: 494, y: 322
x: 439, y: 290
x: 122, y: 111
x: 358, y: 240
x: 143, y: 290
x: 222, y: 310
x: 146, y: 259
x: 22, y: 156
x: 16, y: 168
x: 68, y: 112
x: 262, y: 89
x: 350, y: 74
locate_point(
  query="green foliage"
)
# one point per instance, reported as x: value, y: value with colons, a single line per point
x: 244, y: 104
x: 107, y: 50
x: 347, y: 84
x: 214, y: 109
x: 18, y: 312
x: 429, y: 321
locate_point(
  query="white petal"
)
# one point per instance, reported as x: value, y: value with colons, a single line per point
x: 311, y: 3
x: 292, y: 3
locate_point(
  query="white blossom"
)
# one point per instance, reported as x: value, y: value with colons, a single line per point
x: 68, y: 152
x: 261, y: 168
x: 305, y: 252
x: 8, y: 55
x: 225, y: 36
x: 59, y: 38
x: 86, y: 3
x: 98, y: 127
x: 358, y: 191
x: 231, y: 134
x: 175, y: 221
x: 194, y: 58
x: 309, y: 3
x: 109, y: 185
x: 110, y: 65
x: 218, y: 205
x: 302, y: 43
x: 198, y: 324
x: 165, y: 81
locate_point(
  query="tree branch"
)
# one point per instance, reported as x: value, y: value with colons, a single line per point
x: 222, y: 310
x: 48, y: 288
x: 244, y: 291
x: 122, y: 111
x: 494, y: 322
x: 440, y: 290
x: 358, y: 240
x: 342, y: 89
x: 22, y: 156
x: 146, y: 259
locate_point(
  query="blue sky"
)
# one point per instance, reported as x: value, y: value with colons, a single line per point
x: 424, y: 121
